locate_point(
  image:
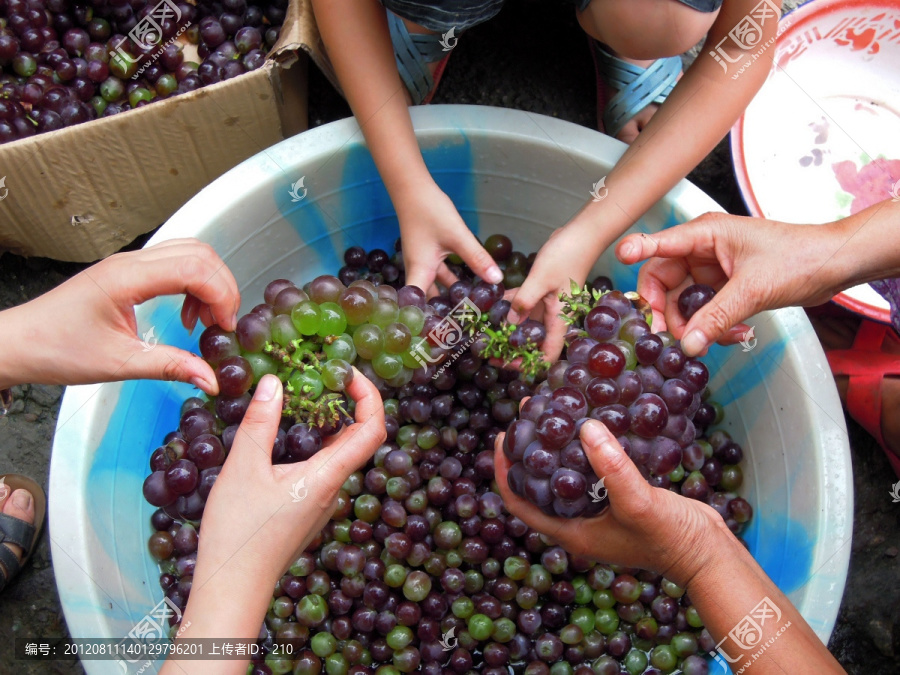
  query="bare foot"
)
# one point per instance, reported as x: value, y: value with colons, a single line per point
x: 19, y: 504
x: 838, y: 332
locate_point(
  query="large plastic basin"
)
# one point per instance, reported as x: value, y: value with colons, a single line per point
x: 507, y: 171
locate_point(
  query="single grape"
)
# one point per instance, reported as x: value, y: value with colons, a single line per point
x: 693, y: 298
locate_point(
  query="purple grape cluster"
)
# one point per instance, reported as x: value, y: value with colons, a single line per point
x: 64, y: 62
x: 421, y: 568
x: 647, y: 392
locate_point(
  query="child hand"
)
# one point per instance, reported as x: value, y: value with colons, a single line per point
x: 431, y: 229
x: 84, y: 331
x: 559, y: 262
x: 646, y: 527
x: 754, y: 264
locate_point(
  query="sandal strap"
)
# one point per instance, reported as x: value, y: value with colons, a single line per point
x: 638, y: 87
x: 866, y: 365
x: 16, y: 531
x: 413, y: 53
x: 9, y: 566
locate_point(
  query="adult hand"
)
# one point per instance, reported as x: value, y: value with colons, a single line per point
x: 84, y: 331
x: 260, y: 516
x: 431, y: 229
x: 754, y: 264
x: 646, y: 527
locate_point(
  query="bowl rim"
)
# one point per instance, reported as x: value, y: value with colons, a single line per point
x: 429, y: 122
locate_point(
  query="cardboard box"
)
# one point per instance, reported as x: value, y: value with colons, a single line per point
x: 83, y: 192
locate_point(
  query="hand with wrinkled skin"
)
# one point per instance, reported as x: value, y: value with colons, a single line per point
x: 682, y: 539
x: 84, y: 331
x: 756, y: 265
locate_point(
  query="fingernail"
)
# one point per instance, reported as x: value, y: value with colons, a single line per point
x: 4, y: 491
x: 628, y: 249
x: 265, y: 391
x: 22, y: 499
x: 199, y: 383
x: 494, y: 275
x: 693, y: 343
x: 513, y: 316
x: 593, y: 432
x: 234, y: 320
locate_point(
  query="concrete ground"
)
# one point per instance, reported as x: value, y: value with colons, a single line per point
x: 533, y: 57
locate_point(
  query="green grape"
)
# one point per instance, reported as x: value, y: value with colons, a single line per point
x: 283, y: 330
x: 406, y: 435
x: 336, y: 664
x: 480, y: 626
x: 386, y: 312
x: 391, y: 406
x: 428, y: 437
x: 635, y: 662
x: 261, y: 365
x: 333, y: 320
x: 403, y: 378
x: 307, y: 317
x: 278, y: 663
x: 341, y: 347
x: 396, y: 338
x: 628, y: 352
x: 323, y: 644
x: 307, y: 382
x: 418, y: 346
x: 504, y: 629
x: 369, y: 341
x: 387, y: 365
x: 357, y: 304
x: 413, y: 318
x: 337, y: 374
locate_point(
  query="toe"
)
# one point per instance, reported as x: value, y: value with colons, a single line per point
x: 20, y: 504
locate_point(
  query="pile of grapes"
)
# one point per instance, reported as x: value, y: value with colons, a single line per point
x: 64, y: 62
x: 647, y: 393
x: 421, y: 568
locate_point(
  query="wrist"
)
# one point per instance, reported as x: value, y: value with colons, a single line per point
x: 711, y: 543
x: 13, y: 336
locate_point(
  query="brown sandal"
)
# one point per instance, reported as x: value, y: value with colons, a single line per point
x: 17, y: 531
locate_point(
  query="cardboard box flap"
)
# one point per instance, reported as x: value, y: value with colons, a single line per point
x: 302, y: 33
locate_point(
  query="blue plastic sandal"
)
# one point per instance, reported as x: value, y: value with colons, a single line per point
x: 637, y: 87
x: 413, y: 52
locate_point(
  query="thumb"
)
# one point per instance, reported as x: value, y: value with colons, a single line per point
x: 163, y: 362
x: 419, y: 272
x: 712, y: 321
x: 621, y: 477
x: 260, y: 424
x: 478, y: 259
x: 523, y: 302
